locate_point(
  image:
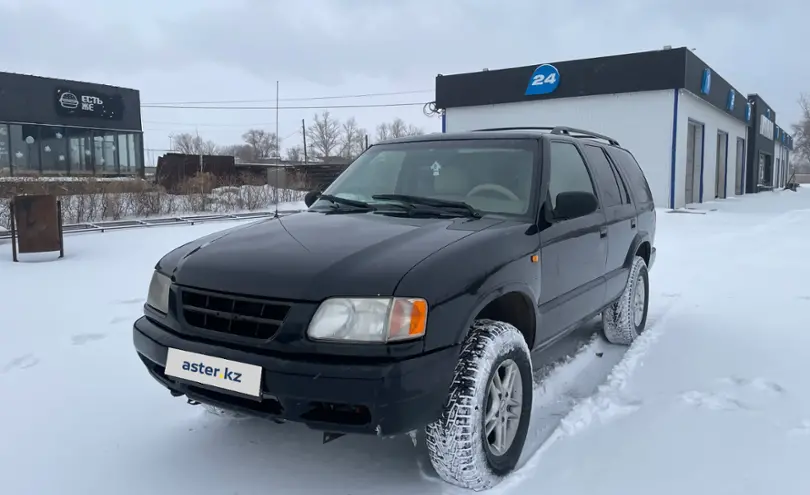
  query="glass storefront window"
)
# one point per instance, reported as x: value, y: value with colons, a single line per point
x: 110, y: 165
x: 133, y: 161
x: 5, y: 157
x: 80, y: 151
x: 53, y: 149
x: 123, y: 154
x: 98, y: 152
x: 24, y: 149
x: 137, y: 162
x: 30, y: 149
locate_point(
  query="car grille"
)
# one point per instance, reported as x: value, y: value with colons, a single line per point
x: 233, y: 315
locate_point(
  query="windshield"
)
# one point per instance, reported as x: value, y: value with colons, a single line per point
x: 492, y: 176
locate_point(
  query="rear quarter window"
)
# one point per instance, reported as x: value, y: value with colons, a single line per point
x: 637, y: 180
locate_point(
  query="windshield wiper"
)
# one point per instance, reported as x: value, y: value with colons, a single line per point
x: 432, y: 202
x: 337, y: 200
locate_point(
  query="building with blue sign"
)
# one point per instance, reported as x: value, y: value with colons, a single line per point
x: 697, y: 137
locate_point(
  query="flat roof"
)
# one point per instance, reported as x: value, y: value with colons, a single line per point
x: 675, y: 68
x: 69, y: 81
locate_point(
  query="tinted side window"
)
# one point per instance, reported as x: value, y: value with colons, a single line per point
x: 622, y: 185
x: 634, y: 174
x: 603, y: 172
x: 568, y: 172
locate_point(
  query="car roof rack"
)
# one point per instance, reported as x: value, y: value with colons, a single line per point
x: 560, y: 130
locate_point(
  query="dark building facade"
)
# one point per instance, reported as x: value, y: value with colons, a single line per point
x: 768, y: 152
x: 58, y: 127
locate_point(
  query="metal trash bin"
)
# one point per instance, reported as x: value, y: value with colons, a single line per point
x: 36, y: 225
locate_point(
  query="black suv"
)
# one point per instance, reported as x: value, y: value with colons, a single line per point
x: 413, y: 293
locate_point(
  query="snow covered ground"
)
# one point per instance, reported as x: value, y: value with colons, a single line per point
x: 713, y: 399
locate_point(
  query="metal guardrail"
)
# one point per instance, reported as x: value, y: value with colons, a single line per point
x: 78, y: 228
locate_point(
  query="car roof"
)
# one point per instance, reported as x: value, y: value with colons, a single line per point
x: 510, y: 133
x: 474, y: 135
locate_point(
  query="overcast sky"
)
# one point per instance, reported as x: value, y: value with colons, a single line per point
x: 217, y: 50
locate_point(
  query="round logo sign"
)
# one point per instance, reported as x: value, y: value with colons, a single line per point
x: 544, y: 80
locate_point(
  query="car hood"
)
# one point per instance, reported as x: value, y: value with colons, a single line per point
x: 311, y: 256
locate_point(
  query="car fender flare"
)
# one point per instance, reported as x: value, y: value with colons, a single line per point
x: 638, y: 240
x: 490, y: 296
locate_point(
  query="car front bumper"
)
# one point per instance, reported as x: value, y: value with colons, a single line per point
x: 334, y: 395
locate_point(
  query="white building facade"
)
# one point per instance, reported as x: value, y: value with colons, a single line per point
x: 687, y: 127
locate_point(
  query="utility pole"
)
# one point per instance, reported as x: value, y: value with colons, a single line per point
x: 277, y: 153
x: 304, y: 133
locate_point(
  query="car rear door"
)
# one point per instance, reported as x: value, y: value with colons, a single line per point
x: 573, y: 251
x: 639, y: 190
x: 620, y: 218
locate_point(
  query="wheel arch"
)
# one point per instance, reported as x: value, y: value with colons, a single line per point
x: 641, y: 246
x: 514, y: 304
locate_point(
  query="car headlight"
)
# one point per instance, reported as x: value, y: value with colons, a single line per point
x: 158, y: 297
x: 377, y: 320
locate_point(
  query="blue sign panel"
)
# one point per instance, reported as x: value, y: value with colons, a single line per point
x: 748, y: 112
x: 544, y: 80
x: 730, y: 102
x: 706, y: 84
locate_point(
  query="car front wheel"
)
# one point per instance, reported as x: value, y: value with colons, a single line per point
x: 480, y: 435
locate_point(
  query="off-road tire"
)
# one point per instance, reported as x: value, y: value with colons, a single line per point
x: 618, y: 319
x: 456, y: 443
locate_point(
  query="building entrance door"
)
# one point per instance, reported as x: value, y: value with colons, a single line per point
x: 694, y: 161
x: 720, y: 165
x: 739, y: 166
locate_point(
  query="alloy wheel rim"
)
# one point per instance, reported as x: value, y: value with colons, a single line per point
x: 639, y: 300
x: 504, y: 404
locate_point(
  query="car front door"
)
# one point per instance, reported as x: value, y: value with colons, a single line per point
x: 620, y: 216
x: 573, y: 250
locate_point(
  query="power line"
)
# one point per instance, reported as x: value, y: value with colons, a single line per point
x: 161, y: 122
x: 378, y: 105
x: 309, y: 98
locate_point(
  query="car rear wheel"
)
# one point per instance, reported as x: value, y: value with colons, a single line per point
x: 480, y: 435
x: 624, y: 320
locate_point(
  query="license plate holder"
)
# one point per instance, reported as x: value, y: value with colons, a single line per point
x: 225, y: 374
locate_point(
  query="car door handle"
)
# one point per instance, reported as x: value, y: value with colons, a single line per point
x: 603, y: 232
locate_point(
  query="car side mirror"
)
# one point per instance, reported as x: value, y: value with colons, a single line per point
x: 575, y: 204
x: 311, y: 197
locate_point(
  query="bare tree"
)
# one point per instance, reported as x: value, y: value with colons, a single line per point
x: 295, y: 153
x: 383, y: 132
x: 324, y: 136
x: 190, y: 144
x: 353, y: 139
x: 241, y: 152
x: 801, y: 137
x: 263, y: 143
x: 397, y: 128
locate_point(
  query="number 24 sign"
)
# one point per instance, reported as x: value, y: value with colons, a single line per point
x: 544, y: 80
